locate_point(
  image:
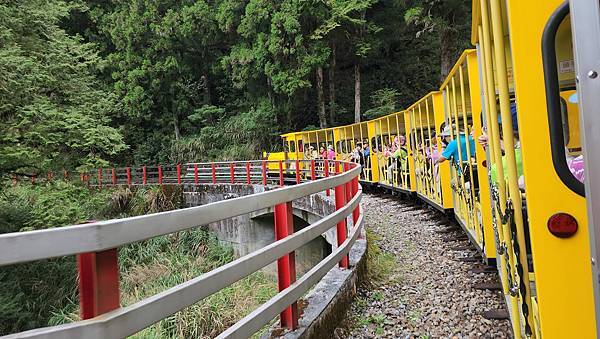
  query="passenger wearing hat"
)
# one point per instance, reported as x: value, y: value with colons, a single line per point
x: 451, y: 150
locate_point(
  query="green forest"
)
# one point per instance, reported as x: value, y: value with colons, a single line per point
x: 90, y: 83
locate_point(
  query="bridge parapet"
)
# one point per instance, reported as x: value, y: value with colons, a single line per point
x: 96, y: 244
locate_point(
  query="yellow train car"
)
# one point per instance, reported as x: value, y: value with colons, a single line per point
x: 391, y: 152
x: 432, y: 180
x: 468, y: 175
x: 533, y: 132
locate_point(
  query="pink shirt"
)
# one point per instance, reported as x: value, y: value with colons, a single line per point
x: 331, y: 155
x: 577, y: 167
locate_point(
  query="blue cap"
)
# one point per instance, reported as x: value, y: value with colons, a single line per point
x: 513, y: 114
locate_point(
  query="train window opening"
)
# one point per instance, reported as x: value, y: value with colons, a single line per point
x: 292, y: 146
x: 286, y: 147
x: 562, y: 100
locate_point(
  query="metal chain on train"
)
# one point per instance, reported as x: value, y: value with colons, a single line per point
x: 522, y: 282
x: 514, y: 286
x: 460, y: 190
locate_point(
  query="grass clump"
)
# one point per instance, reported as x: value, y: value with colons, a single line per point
x: 155, y: 265
x: 380, y: 265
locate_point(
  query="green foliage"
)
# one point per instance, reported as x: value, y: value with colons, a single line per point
x: 231, y: 136
x: 31, y: 292
x: 55, y: 113
x: 448, y: 19
x: 384, y: 102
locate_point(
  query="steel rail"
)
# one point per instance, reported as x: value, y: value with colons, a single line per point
x: 129, y: 320
x: 269, y: 310
x: 42, y: 244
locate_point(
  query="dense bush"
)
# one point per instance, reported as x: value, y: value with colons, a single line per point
x: 31, y: 292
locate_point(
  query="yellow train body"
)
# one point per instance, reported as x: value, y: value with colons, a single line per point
x: 504, y: 194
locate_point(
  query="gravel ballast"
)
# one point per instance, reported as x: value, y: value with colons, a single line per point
x: 429, y: 292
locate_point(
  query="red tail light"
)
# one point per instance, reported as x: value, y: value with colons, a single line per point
x: 562, y: 225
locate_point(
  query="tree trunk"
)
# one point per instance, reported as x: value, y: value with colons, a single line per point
x: 321, y: 99
x: 207, y: 94
x: 174, y: 112
x: 176, y: 125
x: 332, y: 107
x: 357, y: 92
x: 447, y: 52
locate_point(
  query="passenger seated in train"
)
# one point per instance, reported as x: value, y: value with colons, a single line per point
x: 451, y: 151
x: 483, y: 140
x: 399, y: 160
x: 322, y: 153
x: 432, y: 154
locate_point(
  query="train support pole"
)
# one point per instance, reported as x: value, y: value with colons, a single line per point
x: 286, y: 265
x: 98, y: 282
x: 144, y: 176
x: 264, y: 173
x: 297, y: 171
x: 178, y: 169
x: 196, y: 174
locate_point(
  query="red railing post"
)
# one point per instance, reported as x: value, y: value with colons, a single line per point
x: 178, y: 168
x: 326, y: 169
x: 264, y: 172
x: 313, y: 172
x: 196, y: 174
x: 144, y: 176
x: 232, y: 172
x: 286, y: 265
x: 128, y: 172
x: 98, y: 282
x: 114, y: 177
x: 214, y: 173
x: 248, y: 173
x: 297, y: 171
x: 341, y: 229
x: 100, y: 178
x: 280, y: 173
x: 33, y: 179
x: 160, y: 175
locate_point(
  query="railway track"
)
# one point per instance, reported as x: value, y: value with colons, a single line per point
x: 437, y: 286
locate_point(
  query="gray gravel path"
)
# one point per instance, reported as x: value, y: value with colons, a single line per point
x: 429, y: 293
